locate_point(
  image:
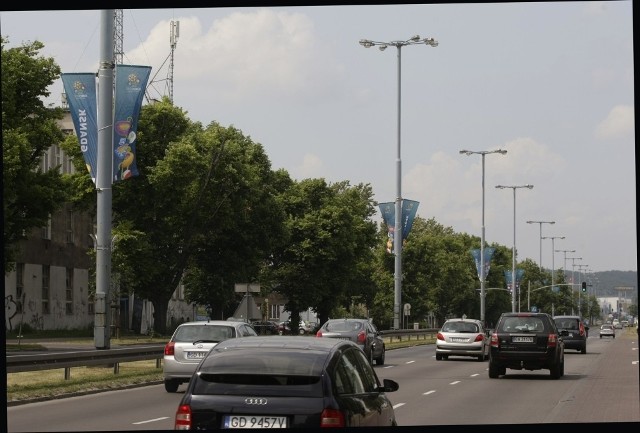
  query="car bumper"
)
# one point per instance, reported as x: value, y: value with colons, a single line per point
x: 172, y: 369
x: 456, y: 349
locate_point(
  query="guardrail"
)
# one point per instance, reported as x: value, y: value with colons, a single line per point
x: 114, y: 357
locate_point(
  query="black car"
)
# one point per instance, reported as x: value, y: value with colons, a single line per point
x: 526, y: 341
x: 285, y: 382
x: 577, y: 332
x: 265, y: 327
x: 360, y: 331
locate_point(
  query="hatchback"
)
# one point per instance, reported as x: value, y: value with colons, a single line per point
x: 526, y: 341
x: 607, y: 330
x: 190, y: 343
x: 285, y: 382
x: 577, y: 332
x: 462, y: 337
x: 360, y: 331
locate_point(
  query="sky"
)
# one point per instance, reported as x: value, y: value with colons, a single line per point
x: 552, y: 83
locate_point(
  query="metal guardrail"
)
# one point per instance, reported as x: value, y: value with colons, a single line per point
x: 114, y: 357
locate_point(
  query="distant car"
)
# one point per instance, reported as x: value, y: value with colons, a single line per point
x: 526, y: 341
x: 266, y: 327
x: 462, y: 337
x: 360, y: 331
x: 577, y: 332
x: 284, y: 328
x: 190, y: 343
x: 285, y: 382
x: 607, y: 330
x: 617, y: 324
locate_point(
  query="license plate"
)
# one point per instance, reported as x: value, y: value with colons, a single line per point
x: 196, y: 355
x: 254, y: 421
x: 522, y: 339
x: 458, y: 340
x: 570, y: 335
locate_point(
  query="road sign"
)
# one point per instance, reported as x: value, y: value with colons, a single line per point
x: 247, y: 287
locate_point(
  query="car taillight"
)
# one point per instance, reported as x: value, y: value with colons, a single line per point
x: 552, y: 341
x: 494, y: 340
x: 582, y: 332
x: 331, y: 418
x: 362, y: 337
x: 183, y: 417
x: 440, y: 336
x: 479, y: 337
x: 169, y: 348
x: 319, y: 334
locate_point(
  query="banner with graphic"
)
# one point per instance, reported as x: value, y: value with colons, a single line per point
x: 80, y: 89
x: 388, y: 211
x: 131, y: 82
x: 488, y: 254
x: 508, y: 277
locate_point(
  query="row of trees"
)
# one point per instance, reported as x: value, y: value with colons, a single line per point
x: 208, y: 210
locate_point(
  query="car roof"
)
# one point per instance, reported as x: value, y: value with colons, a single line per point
x: 348, y: 319
x: 212, y: 322
x: 525, y: 314
x: 568, y: 317
x: 460, y: 319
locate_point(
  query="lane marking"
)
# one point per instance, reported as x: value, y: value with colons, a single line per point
x: 410, y: 362
x: 398, y: 405
x: 151, y: 420
x: 455, y: 383
x: 429, y: 392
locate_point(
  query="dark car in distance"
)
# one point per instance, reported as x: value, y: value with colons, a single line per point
x: 526, y: 341
x: 577, y: 332
x: 266, y: 327
x: 285, y: 382
x: 360, y: 331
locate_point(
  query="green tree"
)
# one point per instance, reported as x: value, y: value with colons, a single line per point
x: 29, y: 128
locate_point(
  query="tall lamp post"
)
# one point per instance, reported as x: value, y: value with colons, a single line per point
x: 564, y: 266
x: 553, y: 256
x: 580, y: 266
x: 541, y: 222
x: 573, y: 268
x: 482, y: 268
x: 513, y: 266
x: 397, y: 233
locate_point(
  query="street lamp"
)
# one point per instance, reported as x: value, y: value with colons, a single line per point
x: 513, y: 266
x: 553, y: 256
x: 397, y: 233
x: 482, y: 275
x: 541, y: 222
x: 573, y: 268
x: 580, y: 266
x: 564, y: 266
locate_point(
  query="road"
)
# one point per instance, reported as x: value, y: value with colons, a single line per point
x: 601, y: 386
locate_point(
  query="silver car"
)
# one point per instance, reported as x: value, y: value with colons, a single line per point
x: 462, y: 337
x: 360, y: 331
x: 191, y: 342
x: 607, y: 330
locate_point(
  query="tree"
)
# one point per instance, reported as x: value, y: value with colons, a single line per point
x: 29, y: 128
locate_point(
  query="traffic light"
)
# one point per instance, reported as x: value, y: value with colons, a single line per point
x: 584, y: 286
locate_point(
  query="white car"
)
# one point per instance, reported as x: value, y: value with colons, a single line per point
x: 462, y: 337
x: 607, y: 330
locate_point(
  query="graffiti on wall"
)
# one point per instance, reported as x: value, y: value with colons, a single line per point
x: 10, y: 312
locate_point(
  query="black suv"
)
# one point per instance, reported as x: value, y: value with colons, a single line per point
x: 526, y: 341
x: 577, y: 332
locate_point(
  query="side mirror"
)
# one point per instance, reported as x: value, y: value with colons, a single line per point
x: 390, y: 385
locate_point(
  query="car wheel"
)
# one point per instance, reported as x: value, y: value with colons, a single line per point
x: 584, y: 349
x: 380, y: 360
x: 171, y: 385
x: 494, y: 370
x: 438, y: 357
x: 562, y: 368
x: 554, y: 371
x: 301, y: 331
x: 601, y: 337
x: 481, y: 358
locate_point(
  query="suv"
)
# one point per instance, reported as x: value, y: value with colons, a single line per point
x: 526, y: 341
x: 577, y: 332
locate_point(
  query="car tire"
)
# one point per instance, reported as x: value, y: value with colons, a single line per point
x: 584, y: 349
x: 555, y: 370
x: 601, y: 337
x: 494, y: 370
x: 481, y: 358
x: 171, y: 385
x: 380, y: 360
x: 301, y: 331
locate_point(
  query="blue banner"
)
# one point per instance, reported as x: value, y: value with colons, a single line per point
x: 388, y: 211
x: 131, y: 83
x: 488, y: 254
x: 80, y: 89
x: 508, y: 277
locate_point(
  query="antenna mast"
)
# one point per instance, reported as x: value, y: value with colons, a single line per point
x: 118, y: 37
x: 175, y: 33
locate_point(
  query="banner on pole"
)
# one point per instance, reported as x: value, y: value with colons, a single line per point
x: 488, y: 254
x: 388, y: 211
x: 80, y: 90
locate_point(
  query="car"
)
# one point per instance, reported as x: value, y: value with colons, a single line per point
x: 360, y: 331
x: 190, y: 343
x: 284, y: 328
x: 576, y: 338
x: 617, y: 324
x: 607, y: 330
x: 266, y: 327
x: 462, y: 337
x: 285, y: 382
x: 526, y: 341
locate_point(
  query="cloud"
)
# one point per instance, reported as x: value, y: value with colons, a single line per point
x: 618, y: 123
x: 311, y: 167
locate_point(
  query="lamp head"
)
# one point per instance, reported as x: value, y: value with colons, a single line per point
x: 382, y: 47
x: 366, y: 43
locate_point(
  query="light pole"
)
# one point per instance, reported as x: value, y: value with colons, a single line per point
x: 564, y: 266
x: 482, y: 275
x: 513, y: 266
x: 573, y: 268
x: 553, y: 256
x: 580, y: 266
x: 397, y: 232
x: 541, y: 222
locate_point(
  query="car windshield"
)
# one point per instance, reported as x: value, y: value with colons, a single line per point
x: 203, y: 333
x: 567, y: 323
x: 462, y: 327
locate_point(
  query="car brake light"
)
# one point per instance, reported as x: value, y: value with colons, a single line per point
x: 169, y: 348
x: 479, y: 337
x: 440, y: 336
x: 362, y: 337
x: 494, y: 340
x: 183, y: 418
x: 552, y: 341
x: 319, y: 334
x: 331, y: 418
x: 582, y: 329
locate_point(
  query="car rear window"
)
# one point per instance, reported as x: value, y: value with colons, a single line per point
x: 460, y: 327
x: 522, y: 324
x: 567, y: 323
x: 345, y: 326
x: 203, y: 332
x: 257, y: 385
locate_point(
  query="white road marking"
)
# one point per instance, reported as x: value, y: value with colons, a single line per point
x: 429, y: 392
x: 398, y: 405
x: 410, y: 362
x: 151, y: 420
x: 455, y: 383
